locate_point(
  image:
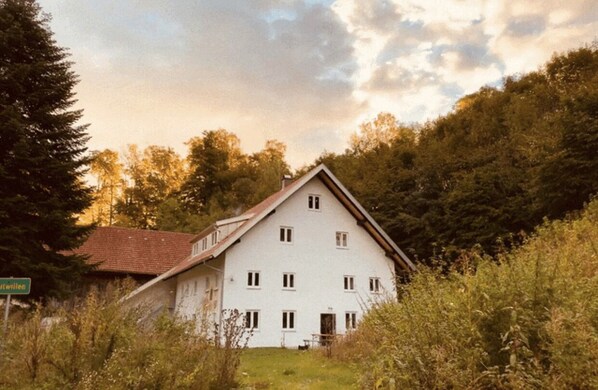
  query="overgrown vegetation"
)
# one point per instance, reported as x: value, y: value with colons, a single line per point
x: 528, y: 321
x: 97, y: 343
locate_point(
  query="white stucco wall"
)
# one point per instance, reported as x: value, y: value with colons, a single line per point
x: 193, y: 289
x: 159, y: 298
x: 319, y: 268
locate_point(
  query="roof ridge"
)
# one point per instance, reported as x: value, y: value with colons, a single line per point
x: 142, y: 230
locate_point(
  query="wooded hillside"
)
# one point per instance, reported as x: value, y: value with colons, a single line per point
x: 489, y: 171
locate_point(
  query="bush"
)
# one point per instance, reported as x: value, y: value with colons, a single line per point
x: 96, y: 343
x: 529, y: 320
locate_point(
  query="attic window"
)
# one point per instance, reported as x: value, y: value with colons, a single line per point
x: 286, y: 234
x: 214, y: 237
x: 195, y: 250
x: 313, y: 202
x: 341, y: 239
x: 204, y: 244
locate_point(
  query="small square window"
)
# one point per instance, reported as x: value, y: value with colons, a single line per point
x: 313, y: 202
x: 350, y: 320
x: 288, y: 320
x: 341, y: 239
x: 375, y: 285
x: 253, y: 279
x: 349, y: 283
x: 286, y: 234
x: 288, y: 280
x: 252, y: 319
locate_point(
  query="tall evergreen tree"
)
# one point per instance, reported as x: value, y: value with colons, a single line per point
x: 41, y: 155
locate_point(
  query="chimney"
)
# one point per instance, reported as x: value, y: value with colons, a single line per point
x: 286, y: 180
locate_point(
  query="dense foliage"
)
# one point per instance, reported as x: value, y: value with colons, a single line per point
x: 99, y: 343
x: 530, y: 321
x: 157, y: 189
x: 503, y: 160
x: 41, y: 155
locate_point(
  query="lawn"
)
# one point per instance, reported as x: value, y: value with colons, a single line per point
x: 277, y: 368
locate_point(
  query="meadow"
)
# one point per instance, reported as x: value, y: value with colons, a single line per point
x: 278, y: 368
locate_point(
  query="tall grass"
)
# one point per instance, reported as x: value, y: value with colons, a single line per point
x: 529, y: 320
x: 97, y: 343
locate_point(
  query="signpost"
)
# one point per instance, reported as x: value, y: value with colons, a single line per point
x: 13, y: 286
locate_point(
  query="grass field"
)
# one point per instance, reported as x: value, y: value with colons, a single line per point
x: 277, y: 368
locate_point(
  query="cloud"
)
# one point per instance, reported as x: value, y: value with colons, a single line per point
x: 153, y: 70
x: 304, y: 72
x: 421, y: 56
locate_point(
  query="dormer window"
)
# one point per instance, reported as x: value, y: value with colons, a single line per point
x: 204, y: 244
x: 313, y: 202
x: 195, y: 249
x: 214, y: 238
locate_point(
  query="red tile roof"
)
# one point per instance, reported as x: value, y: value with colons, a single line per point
x: 135, y: 251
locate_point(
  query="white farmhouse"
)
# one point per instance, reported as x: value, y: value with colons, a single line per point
x: 303, y: 262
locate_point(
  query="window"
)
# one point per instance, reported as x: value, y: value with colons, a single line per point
x: 349, y: 283
x: 252, y: 319
x: 313, y: 202
x: 375, y: 285
x: 195, y: 249
x: 350, y: 320
x: 288, y: 280
x: 341, y: 239
x: 253, y: 279
x: 195, y: 287
x: 204, y: 244
x: 288, y: 320
x: 211, y: 288
x: 214, y: 238
x: 286, y: 234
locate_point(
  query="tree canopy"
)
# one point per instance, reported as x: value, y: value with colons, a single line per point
x: 41, y: 155
x: 500, y: 162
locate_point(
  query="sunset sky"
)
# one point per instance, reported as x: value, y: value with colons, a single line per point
x: 303, y: 72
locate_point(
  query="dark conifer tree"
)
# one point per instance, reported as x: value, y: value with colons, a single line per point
x: 42, y: 155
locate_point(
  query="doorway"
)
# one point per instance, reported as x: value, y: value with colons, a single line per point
x: 327, y: 328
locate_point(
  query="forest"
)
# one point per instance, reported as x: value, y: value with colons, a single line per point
x: 482, y: 176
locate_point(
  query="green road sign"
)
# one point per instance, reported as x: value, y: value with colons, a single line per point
x: 15, y: 286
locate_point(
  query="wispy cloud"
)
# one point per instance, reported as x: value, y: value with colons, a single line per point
x: 305, y: 72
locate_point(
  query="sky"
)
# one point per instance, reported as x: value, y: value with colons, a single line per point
x: 303, y: 72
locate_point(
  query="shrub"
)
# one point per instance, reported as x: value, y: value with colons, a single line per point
x: 528, y: 320
x: 96, y: 343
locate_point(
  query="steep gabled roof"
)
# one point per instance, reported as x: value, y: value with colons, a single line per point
x: 263, y: 209
x: 135, y: 251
